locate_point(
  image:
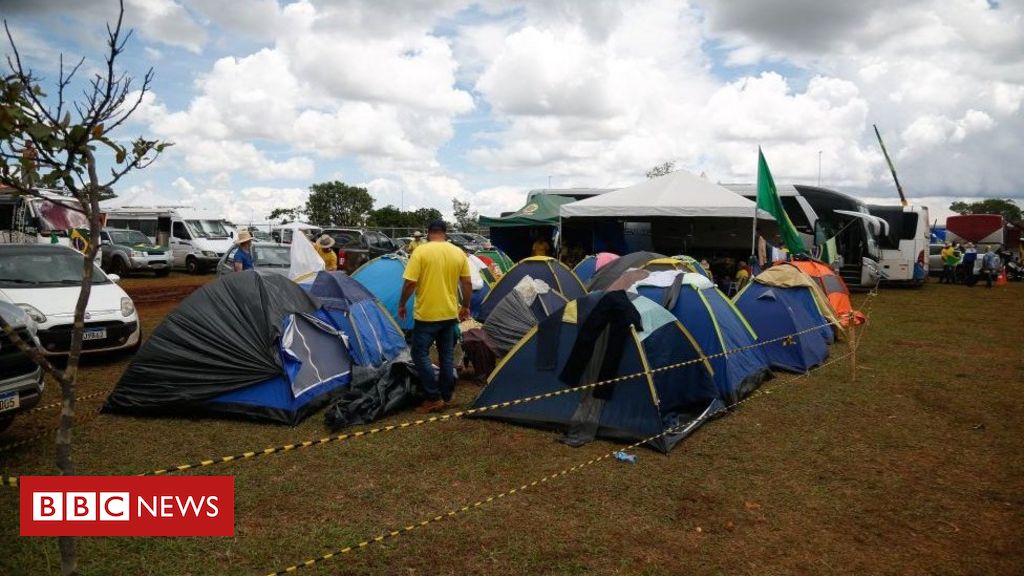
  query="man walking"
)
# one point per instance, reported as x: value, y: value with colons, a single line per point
x: 243, y: 256
x: 416, y: 242
x: 436, y: 272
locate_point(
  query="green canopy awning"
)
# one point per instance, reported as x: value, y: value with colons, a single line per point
x: 541, y: 210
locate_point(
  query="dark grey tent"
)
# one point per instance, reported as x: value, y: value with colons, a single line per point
x: 611, y: 272
x: 248, y: 344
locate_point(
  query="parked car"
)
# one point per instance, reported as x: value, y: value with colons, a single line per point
x: 21, y: 380
x: 44, y: 280
x: 471, y: 243
x: 355, y: 247
x: 126, y: 251
x: 269, y: 256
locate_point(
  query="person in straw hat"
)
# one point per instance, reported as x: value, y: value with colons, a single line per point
x: 417, y: 240
x: 243, y: 256
x: 325, y: 247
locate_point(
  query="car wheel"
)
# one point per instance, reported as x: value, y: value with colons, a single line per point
x: 119, y: 266
x: 192, y: 265
x: 5, y: 422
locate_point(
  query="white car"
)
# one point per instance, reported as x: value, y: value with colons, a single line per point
x: 44, y: 280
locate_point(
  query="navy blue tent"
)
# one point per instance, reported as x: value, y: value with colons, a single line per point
x: 374, y: 336
x: 718, y: 327
x: 638, y: 408
x: 776, y: 312
x: 248, y: 344
x: 557, y: 275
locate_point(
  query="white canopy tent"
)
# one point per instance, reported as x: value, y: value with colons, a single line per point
x: 678, y: 194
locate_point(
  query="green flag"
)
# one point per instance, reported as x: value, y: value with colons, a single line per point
x: 769, y: 201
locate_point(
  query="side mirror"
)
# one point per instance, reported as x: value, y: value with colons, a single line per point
x: 231, y: 234
x: 114, y: 278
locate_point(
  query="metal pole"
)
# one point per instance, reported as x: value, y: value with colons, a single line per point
x: 853, y: 347
x: 819, y: 167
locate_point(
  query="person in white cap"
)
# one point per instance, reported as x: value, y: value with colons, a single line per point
x: 325, y: 247
x: 243, y: 256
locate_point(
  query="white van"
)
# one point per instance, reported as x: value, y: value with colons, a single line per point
x: 196, y: 237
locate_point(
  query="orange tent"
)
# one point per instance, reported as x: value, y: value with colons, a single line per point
x: 835, y: 289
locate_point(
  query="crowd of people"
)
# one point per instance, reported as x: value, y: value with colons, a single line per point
x: 960, y: 263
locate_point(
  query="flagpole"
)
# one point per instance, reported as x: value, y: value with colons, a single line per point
x: 753, y: 227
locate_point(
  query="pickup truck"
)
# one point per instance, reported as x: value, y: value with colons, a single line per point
x: 356, y: 247
x: 126, y: 251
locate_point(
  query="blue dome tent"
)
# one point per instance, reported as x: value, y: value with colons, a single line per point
x: 557, y: 275
x: 374, y: 336
x: 248, y: 344
x: 630, y: 410
x: 717, y: 326
x: 382, y: 277
x: 781, y: 301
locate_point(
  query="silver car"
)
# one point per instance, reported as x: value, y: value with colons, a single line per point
x: 268, y: 256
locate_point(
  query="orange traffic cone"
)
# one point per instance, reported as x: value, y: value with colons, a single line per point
x: 1001, y: 280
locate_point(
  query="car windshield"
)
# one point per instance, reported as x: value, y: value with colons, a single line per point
x: 206, y: 228
x: 128, y: 237
x: 46, y: 269
x: 272, y: 256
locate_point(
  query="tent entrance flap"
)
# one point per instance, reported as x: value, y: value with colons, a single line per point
x: 309, y: 349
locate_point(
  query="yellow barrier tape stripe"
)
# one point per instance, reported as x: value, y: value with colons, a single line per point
x: 447, y: 417
x: 392, y: 534
x: 463, y: 413
x: 77, y: 399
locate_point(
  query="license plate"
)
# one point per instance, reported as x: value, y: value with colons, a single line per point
x: 9, y: 401
x: 95, y: 334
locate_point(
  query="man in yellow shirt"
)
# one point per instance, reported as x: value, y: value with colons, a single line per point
x: 437, y: 272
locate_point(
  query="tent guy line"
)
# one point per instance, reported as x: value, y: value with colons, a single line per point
x: 522, y: 488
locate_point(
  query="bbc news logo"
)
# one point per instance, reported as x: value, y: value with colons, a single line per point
x: 127, y: 506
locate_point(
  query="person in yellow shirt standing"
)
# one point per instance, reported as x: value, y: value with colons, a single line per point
x: 541, y: 245
x: 325, y: 247
x: 438, y: 272
x: 742, y: 275
x: 417, y: 241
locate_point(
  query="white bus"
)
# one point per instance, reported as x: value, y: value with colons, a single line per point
x: 904, y: 248
x: 196, y: 237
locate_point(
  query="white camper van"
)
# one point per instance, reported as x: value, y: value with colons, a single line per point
x: 197, y: 238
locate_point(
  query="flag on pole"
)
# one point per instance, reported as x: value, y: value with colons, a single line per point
x: 769, y: 201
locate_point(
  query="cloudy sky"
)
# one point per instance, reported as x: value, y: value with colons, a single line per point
x: 423, y: 101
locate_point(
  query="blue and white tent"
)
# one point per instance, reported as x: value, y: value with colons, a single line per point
x: 716, y: 325
x: 373, y: 335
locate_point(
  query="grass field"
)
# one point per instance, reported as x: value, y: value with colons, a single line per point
x: 915, y: 468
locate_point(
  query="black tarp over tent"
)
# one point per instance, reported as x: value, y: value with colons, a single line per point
x: 222, y: 338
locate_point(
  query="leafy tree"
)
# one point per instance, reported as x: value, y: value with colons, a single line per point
x: 391, y: 217
x: 338, y: 204
x: 661, y: 169
x: 52, y: 143
x: 1008, y: 208
x: 467, y: 220
x: 424, y: 216
x: 286, y: 214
